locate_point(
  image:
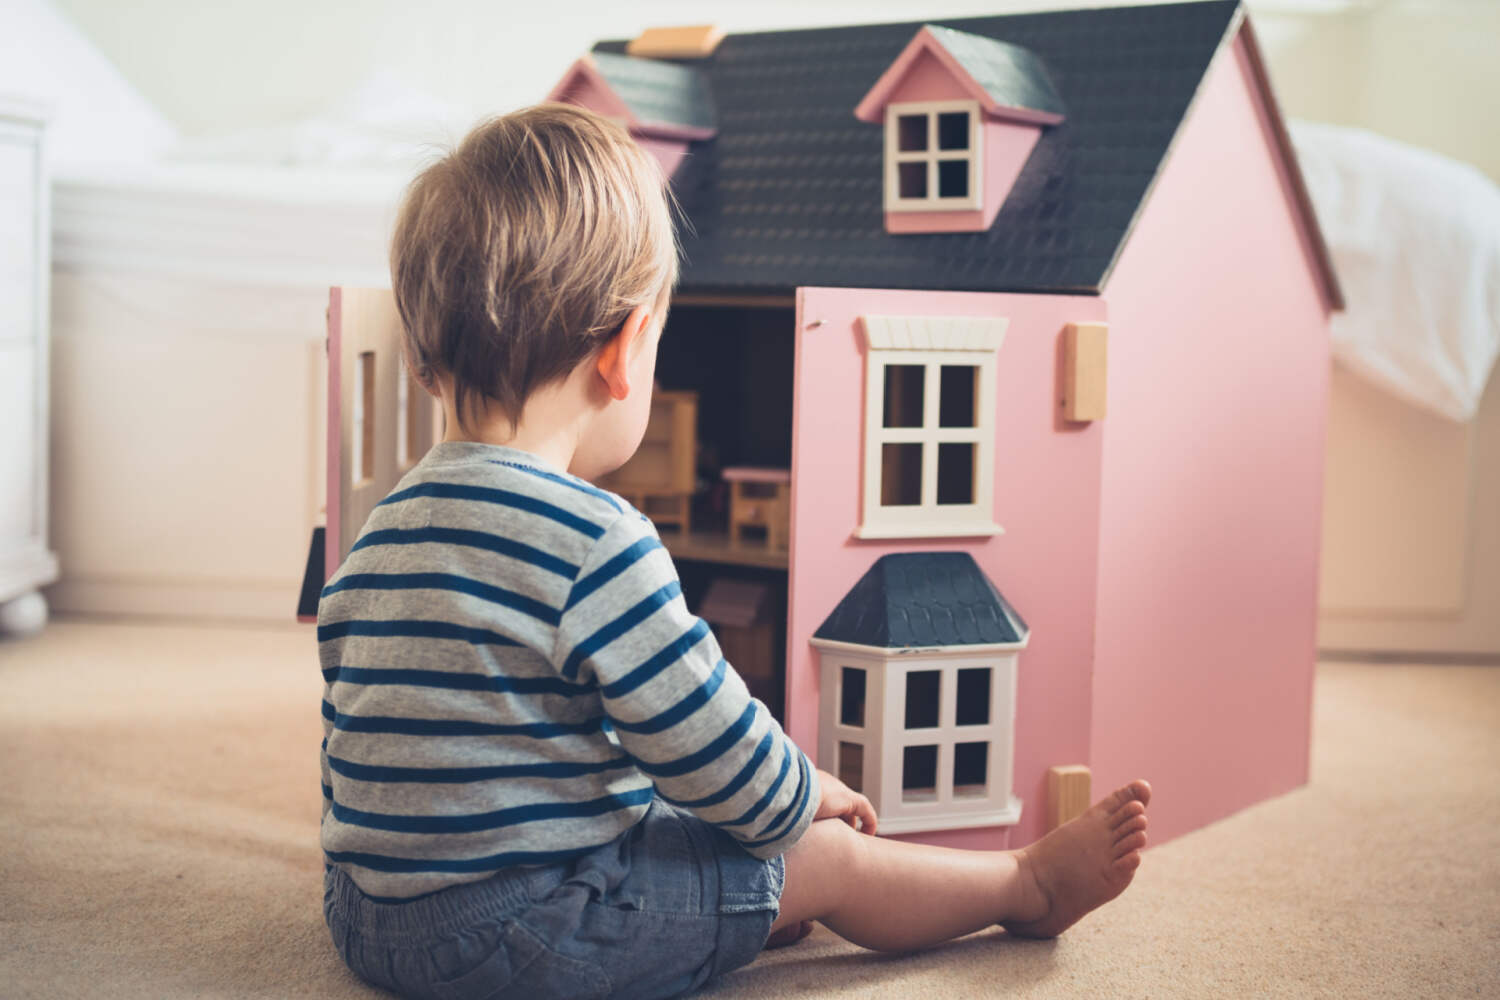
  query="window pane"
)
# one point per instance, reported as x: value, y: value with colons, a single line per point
x: 913, y: 177
x: 953, y: 130
x: 911, y: 133
x: 955, y: 473
x: 903, y: 395
x: 956, y: 395
x: 970, y: 768
x: 922, y: 689
x: 851, y: 769
x: 918, y: 774
x: 953, y: 178
x: 973, y: 697
x: 852, y: 697
x: 900, y: 475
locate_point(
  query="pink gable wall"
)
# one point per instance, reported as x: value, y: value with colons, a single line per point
x: 928, y: 80
x: 1212, y: 481
x: 1046, y: 498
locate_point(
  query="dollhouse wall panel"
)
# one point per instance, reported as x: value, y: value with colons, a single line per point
x: 1213, y: 462
x: 1046, y: 496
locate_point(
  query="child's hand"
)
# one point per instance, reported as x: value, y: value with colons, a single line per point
x: 842, y: 802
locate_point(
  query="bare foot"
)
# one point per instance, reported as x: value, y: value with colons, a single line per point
x: 1082, y: 864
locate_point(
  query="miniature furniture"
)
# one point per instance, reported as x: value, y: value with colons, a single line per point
x: 759, y: 499
x: 25, y: 269
x: 660, y: 478
x: 941, y: 204
x: 918, y: 668
x: 740, y: 613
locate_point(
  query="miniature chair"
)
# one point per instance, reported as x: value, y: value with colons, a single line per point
x: 661, y: 476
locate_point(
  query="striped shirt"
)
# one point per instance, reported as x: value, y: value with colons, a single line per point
x: 511, y: 676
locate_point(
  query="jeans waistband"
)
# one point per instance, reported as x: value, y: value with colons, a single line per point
x: 500, y: 895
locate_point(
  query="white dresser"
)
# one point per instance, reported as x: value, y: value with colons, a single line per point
x: 25, y: 255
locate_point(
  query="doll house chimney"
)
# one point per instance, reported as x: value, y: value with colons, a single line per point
x: 961, y: 114
x: 918, y: 675
x: 665, y: 105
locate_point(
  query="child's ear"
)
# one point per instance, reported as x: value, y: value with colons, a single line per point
x: 613, y: 362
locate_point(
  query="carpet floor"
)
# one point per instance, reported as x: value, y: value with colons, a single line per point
x: 158, y: 839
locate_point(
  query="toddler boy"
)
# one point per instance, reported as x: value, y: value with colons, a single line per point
x: 541, y: 779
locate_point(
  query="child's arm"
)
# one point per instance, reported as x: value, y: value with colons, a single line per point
x: 681, y: 713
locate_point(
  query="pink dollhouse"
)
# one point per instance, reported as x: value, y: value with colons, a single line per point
x: 1032, y: 305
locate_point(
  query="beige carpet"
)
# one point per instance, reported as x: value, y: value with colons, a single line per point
x: 158, y: 839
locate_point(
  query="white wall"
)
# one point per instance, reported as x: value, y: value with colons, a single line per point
x: 214, y: 65
x: 1419, y: 70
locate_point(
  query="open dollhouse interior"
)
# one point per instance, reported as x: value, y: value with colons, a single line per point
x: 711, y: 471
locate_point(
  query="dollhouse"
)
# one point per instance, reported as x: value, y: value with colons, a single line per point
x: 1034, y: 302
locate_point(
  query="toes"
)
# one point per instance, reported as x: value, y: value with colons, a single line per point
x: 1132, y: 826
x: 1132, y: 843
x: 1136, y: 791
x: 1126, y: 813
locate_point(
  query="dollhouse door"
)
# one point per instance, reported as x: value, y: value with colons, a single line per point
x: 380, y: 421
x: 926, y: 420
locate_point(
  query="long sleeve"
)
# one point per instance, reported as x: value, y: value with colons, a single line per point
x: 680, y: 712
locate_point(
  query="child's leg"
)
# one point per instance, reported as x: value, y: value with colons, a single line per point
x: 894, y: 896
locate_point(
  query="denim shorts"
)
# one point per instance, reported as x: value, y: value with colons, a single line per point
x: 660, y: 911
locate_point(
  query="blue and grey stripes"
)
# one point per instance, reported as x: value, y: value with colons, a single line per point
x: 511, y: 675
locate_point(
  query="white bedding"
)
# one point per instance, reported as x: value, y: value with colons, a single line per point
x: 1415, y: 239
x: 249, y: 225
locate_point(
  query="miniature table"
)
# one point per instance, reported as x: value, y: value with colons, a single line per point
x: 759, y: 498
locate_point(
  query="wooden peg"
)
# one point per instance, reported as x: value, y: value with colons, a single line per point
x: 1067, y: 793
x: 1084, y: 362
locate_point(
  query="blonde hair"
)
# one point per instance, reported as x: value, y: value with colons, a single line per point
x: 518, y: 254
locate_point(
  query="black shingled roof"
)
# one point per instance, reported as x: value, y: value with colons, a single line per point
x: 659, y: 93
x: 788, y: 193
x: 923, y: 599
x: 1013, y: 76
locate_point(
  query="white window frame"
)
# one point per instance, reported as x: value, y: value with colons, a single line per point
x: 894, y: 157
x: 884, y: 737
x: 930, y: 342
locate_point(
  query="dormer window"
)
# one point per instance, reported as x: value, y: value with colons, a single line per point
x: 962, y: 114
x: 933, y: 156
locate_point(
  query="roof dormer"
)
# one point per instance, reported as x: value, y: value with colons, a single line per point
x: 664, y: 105
x: 962, y: 114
